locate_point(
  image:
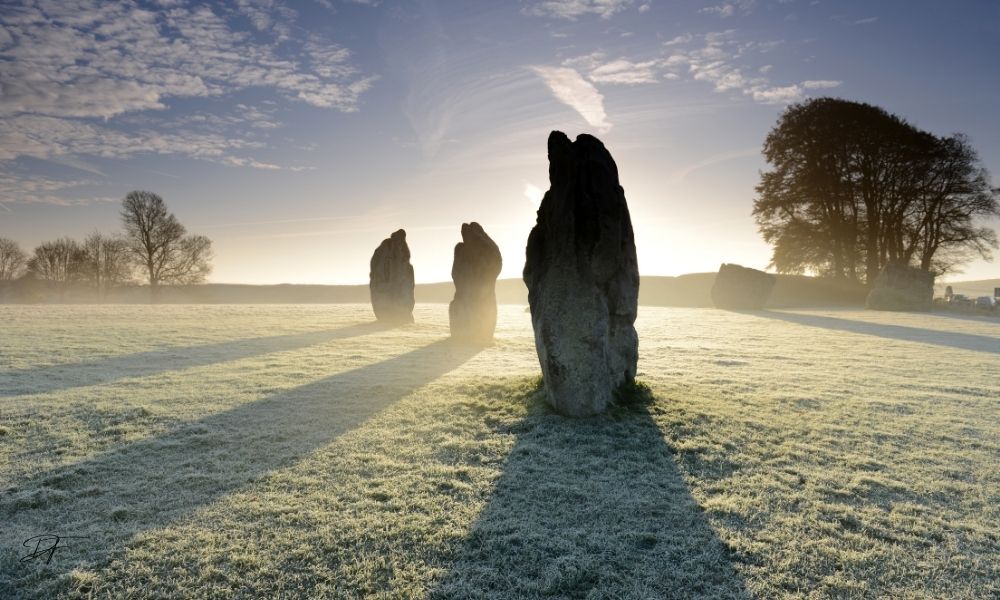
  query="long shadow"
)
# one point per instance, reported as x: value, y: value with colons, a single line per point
x: 80, y: 374
x: 150, y: 483
x: 591, y: 508
x: 975, y: 318
x: 949, y: 339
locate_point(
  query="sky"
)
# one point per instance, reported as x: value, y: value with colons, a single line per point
x: 298, y: 135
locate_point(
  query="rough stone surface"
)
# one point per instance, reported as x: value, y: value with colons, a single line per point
x: 583, y: 279
x: 472, y: 315
x: 741, y: 288
x: 391, y: 280
x: 902, y: 287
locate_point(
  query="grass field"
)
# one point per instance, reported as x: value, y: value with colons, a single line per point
x: 300, y: 451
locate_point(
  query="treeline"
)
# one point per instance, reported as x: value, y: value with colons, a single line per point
x: 99, y: 262
x: 153, y: 248
x: 853, y: 188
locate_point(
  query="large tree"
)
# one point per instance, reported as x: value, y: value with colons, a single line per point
x: 945, y: 230
x: 60, y: 262
x: 13, y: 260
x: 853, y: 187
x: 106, y: 261
x: 159, y: 244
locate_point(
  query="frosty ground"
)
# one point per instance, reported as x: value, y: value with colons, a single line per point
x: 301, y: 451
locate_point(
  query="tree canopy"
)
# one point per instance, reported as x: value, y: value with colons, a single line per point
x: 853, y: 187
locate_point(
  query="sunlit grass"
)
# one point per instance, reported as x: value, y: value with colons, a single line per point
x: 774, y: 454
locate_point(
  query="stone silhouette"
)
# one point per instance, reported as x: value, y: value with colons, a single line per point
x: 583, y: 279
x: 902, y: 287
x: 741, y: 288
x: 391, y: 280
x: 473, y: 313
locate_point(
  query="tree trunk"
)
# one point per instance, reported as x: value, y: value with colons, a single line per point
x: 871, y: 254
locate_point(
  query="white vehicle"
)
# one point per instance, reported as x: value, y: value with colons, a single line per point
x: 984, y: 302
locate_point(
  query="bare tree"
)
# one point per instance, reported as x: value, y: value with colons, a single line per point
x: 12, y: 260
x: 159, y: 244
x: 107, y: 262
x: 60, y: 262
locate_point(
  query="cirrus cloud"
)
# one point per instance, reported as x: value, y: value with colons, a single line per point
x: 572, y: 9
x: 570, y: 88
x: 122, y: 58
x: 73, y: 73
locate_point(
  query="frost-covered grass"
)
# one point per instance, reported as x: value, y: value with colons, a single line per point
x: 299, y: 451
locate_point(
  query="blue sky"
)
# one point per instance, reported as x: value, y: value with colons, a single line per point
x: 299, y: 134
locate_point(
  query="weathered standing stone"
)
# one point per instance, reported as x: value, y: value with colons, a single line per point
x: 391, y: 280
x: 473, y: 313
x: 741, y: 288
x: 902, y: 287
x: 583, y: 279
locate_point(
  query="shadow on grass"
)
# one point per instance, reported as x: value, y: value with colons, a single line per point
x: 60, y: 377
x: 983, y: 317
x: 949, y: 339
x: 149, y: 483
x: 591, y: 508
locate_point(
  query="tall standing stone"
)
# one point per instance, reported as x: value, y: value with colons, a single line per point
x: 583, y: 279
x: 391, y: 280
x: 473, y: 313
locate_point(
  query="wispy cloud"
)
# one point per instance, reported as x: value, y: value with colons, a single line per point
x: 573, y: 9
x: 618, y: 71
x: 776, y: 95
x: 625, y: 72
x: 681, y: 174
x: 850, y: 20
x: 570, y: 88
x: 67, y: 63
x: 16, y: 188
x: 249, y: 224
x: 821, y: 84
x: 684, y: 38
x: 728, y: 9
x: 51, y: 137
x: 719, y: 58
x: 90, y: 59
x: 268, y: 15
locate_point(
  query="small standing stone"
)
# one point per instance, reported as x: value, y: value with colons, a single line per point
x: 902, y: 287
x: 473, y: 313
x: 583, y: 279
x: 741, y: 288
x: 391, y: 280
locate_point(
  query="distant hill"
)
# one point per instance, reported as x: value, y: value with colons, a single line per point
x: 692, y: 290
